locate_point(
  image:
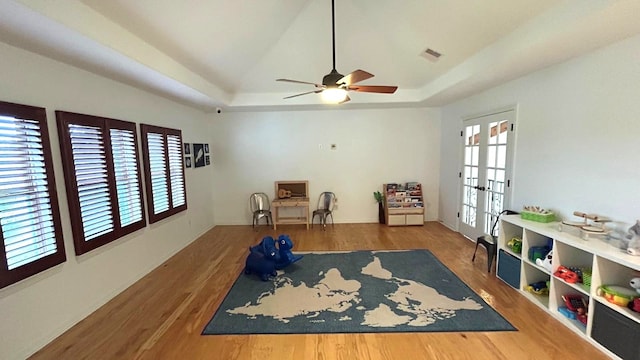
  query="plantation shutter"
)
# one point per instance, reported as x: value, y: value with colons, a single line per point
x: 158, y: 167
x: 29, y: 215
x: 166, y: 194
x: 104, y: 186
x: 175, y: 170
x: 90, y: 166
x: 127, y: 176
x: 25, y: 209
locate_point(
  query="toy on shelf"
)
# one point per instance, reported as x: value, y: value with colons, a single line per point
x: 545, y: 262
x: 633, y: 235
x: 538, y: 288
x: 515, y: 244
x: 635, y: 283
x: 540, y: 252
x: 635, y: 304
x: 616, y: 294
x: 591, y: 224
x: 538, y: 214
x: 576, y: 307
x: 567, y: 274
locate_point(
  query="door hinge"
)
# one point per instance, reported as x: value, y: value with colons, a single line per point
x: 508, y: 183
x: 461, y: 134
x: 460, y: 175
x: 458, y: 214
x: 511, y: 127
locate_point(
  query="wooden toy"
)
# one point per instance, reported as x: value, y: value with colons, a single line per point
x: 591, y: 224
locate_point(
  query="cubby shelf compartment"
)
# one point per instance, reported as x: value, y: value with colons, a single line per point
x: 561, y: 289
x: 609, y: 266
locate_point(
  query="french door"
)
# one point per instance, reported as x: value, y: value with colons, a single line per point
x: 486, y: 171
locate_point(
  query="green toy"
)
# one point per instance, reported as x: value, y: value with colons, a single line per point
x: 515, y: 244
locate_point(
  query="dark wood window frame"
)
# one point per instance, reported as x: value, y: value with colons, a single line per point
x: 165, y: 133
x: 7, y: 277
x: 64, y: 120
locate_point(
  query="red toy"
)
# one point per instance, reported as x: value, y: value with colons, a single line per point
x: 567, y: 275
x: 577, y: 304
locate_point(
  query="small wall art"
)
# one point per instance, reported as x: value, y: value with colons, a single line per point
x: 206, y: 148
x: 187, y: 149
x: 198, y: 155
x: 187, y: 161
x: 207, y: 160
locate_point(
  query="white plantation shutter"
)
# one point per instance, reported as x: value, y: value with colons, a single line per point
x: 104, y: 186
x: 174, y: 144
x: 29, y: 215
x: 125, y: 164
x: 166, y: 194
x: 90, y: 166
x: 25, y: 209
x: 158, y: 168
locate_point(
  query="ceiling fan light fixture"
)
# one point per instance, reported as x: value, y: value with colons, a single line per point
x: 334, y: 95
x: 335, y: 86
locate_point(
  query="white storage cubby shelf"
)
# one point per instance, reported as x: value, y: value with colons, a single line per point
x: 610, y: 266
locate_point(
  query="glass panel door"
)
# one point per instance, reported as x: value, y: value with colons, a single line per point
x: 486, y: 173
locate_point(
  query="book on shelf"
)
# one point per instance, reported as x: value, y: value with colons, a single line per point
x: 411, y: 186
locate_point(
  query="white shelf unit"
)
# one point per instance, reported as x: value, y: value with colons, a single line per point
x: 610, y: 266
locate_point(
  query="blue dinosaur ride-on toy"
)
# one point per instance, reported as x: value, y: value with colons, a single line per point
x: 262, y: 265
x: 286, y: 256
x: 283, y: 256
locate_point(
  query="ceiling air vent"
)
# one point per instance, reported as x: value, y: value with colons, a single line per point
x: 431, y: 55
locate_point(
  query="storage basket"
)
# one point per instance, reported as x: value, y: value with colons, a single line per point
x: 543, y: 218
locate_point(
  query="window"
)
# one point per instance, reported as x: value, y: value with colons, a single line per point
x: 29, y: 213
x: 103, y: 180
x: 163, y: 171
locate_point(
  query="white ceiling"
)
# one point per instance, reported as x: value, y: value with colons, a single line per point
x: 228, y: 53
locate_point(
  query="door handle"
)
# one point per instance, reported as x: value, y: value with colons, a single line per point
x: 481, y: 188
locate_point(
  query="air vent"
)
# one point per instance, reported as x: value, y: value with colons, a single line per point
x: 431, y: 55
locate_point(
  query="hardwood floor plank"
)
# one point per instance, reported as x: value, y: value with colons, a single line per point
x: 162, y: 315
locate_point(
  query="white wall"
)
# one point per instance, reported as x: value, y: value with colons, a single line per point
x: 252, y: 150
x: 38, y: 309
x: 578, y: 136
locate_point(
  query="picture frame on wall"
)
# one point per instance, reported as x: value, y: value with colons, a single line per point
x: 198, y: 155
x: 187, y: 161
x: 207, y: 160
x: 206, y: 148
x: 187, y: 148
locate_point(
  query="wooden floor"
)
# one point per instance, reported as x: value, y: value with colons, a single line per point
x: 163, y: 314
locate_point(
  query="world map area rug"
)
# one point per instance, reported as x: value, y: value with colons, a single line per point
x: 355, y: 292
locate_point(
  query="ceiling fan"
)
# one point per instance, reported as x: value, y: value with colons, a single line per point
x: 334, y: 85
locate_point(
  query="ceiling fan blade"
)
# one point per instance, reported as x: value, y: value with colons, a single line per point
x: 355, y: 77
x: 304, y: 93
x: 374, y: 89
x: 299, y: 82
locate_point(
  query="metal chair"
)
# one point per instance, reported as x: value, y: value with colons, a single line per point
x: 326, y: 203
x: 260, y: 208
x: 490, y: 241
